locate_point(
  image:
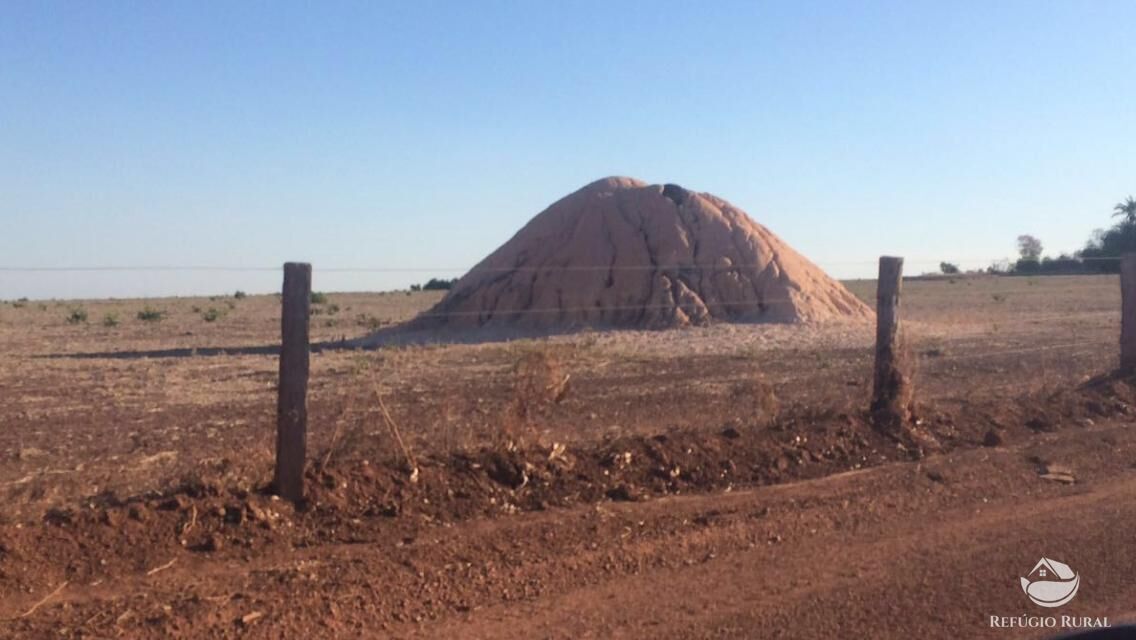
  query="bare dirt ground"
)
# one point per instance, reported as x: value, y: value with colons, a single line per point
x: 718, y: 482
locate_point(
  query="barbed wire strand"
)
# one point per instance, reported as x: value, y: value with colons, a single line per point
x: 551, y: 268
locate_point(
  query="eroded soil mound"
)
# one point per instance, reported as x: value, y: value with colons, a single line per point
x: 622, y: 253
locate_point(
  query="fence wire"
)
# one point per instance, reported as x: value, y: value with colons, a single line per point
x: 480, y: 268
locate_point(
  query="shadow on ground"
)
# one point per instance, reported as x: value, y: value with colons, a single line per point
x: 391, y: 337
x: 194, y: 352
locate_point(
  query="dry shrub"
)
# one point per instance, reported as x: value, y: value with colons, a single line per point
x: 363, y: 422
x: 452, y: 436
x: 757, y: 399
x: 349, y: 435
x: 539, y: 382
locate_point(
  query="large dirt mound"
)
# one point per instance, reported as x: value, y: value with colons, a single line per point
x: 622, y: 253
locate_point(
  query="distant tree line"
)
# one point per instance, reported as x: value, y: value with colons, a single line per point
x: 1032, y: 262
x: 1111, y: 243
x: 435, y: 284
x: 1100, y: 255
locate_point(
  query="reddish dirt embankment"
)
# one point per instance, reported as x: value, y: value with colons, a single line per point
x: 608, y: 542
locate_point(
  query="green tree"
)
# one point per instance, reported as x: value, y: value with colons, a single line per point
x: 1103, y: 249
x: 439, y: 284
x: 1029, y: 248
x: 1126, y: 210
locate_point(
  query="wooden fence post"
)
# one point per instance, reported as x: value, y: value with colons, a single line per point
x: 1128, y: 311
x: 292, y: 401
x: 891, y: 389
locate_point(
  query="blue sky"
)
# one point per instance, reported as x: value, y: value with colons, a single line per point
x: 423, y: 134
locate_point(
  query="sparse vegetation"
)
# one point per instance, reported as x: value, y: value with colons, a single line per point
x: 369, y: 321
x: 212, y: 315
x: 110, y: 320
x: 758, y: 400
x: 151, y: 315
x: 438, y: 284
x: 77, y: 316
x: 239, y: 295
x: 539, y: 382
x: 330, y: 310
x: 948, y: 268
x: 318, y: 297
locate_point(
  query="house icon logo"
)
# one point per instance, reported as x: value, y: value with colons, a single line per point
x: 1051, y: 583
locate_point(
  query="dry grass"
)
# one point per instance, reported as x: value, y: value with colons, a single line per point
x: 539, y: 381
x: 758, y: 399
x: 83, y: 427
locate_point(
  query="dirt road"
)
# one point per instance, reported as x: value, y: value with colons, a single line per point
x: 883, y: 554
x: 927, y: 549
x: 915, y: 550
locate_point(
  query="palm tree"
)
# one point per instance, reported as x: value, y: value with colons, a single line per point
x: 1127, y: 209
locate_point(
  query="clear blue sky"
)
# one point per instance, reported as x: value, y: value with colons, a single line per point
x: 423, y: 134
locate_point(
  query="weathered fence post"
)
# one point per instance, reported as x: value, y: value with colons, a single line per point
x: 1128, y: 311
x: 292, y: 401
x: 891, y: 389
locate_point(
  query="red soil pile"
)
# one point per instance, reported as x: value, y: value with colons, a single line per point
x: 622, y: 253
